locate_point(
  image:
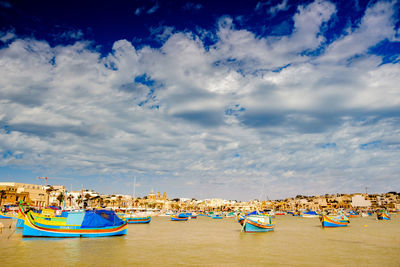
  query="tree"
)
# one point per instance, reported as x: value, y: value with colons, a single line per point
x: 79, y: 200
x: 70, y: 197
x: 49, y: 189
x: 60, y: 198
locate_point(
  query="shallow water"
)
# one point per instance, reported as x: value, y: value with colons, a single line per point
x: 207, y: 242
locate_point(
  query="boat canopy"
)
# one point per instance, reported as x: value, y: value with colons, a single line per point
x: 100, y: 218
x: 253, y: 213
x: 310, y: 212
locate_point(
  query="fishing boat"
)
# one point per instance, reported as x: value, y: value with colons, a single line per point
x: 230, y: 215
x: 179, y: 217
x: 217, y: 216
x: 7, y: 215
x: 94, y: 223
x: 280, y: 213
x: 352, y: 214
x: 309, y: 214
x: 132, y: 220
x: 334, y: 220
x: 258, y: 223
x: 383, y: 216
x: 241, y: 218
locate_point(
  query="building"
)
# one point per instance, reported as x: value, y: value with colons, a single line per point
x: 9, y: 195
x: 359, y: 201
x: 37, y: 194
x: 151, y: 196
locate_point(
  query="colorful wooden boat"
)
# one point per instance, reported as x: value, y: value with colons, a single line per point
x: 241, y: 218
x: 258, y: 223
x: 217, y: 216
x: 230, y: 215
x: 7, y: 215
x: 352, y: 214
x: 96, y: 223
x: 179, y: 217
x: 383, y: 216
x: 334, y: 221
x: 132, y: 220
x: 309, y: 214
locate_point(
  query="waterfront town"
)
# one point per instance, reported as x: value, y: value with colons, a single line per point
x: 40, y: 196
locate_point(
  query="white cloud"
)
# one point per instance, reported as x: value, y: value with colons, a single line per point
x: 7, y: 36
x: 279, y: 7
x: 153, y: 9
x: 375, y: 26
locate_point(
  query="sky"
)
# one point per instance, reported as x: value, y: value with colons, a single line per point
x: 204, y: 99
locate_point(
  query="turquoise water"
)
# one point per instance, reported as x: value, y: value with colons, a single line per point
x: 207, y: 242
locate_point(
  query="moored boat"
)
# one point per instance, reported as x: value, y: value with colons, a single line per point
x: 94, y: 223
x: 132, y: 220
x: 334, y: 221
x: 179, y: 217
x: 383, y: 215
x: 217, y: 216
x: 258, y: 223
x: 5, y: 215
x: 309, y: 214
x: 352, y: 214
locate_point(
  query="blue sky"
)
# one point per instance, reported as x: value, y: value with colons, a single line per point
x: 202, y: 98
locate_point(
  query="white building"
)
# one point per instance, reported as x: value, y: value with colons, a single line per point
x: 360, y: 201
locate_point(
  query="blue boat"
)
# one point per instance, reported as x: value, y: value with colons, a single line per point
x: 94, y: 223
x: 132, y: 220
x: 258, y: 223
x: 182, y: 217
x: 309, y: 214
x: 334, y: 221
x: 383, y: 215
x: 217, y: 216
x: 7, y: 215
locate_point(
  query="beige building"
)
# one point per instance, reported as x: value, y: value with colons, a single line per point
x: 37, y: 194
x: 359, y: 201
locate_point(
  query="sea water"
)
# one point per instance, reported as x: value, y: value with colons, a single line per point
x: 206, y: 242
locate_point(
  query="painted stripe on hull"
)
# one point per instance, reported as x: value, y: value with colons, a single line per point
x: 330, y: 222
x: 138, y: 220
x: 255, y: 227
x: 20, y: 223
x: 178, y: 219
x: 33, y: 230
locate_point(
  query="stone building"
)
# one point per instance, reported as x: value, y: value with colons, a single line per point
x: 37, y: 195
x: 9, y: 195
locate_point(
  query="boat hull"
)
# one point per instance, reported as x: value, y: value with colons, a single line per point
x: 32, y: 229
x: 179, y: 219
x: 20, y: 223
x: 254, y: 226
x: 328, y: 221
x: 384, y: 217
x: 139, y: 220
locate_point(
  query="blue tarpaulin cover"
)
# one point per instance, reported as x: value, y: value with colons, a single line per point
x: 100, y: 218
x: 253, y: 213
x: 311, y: 212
